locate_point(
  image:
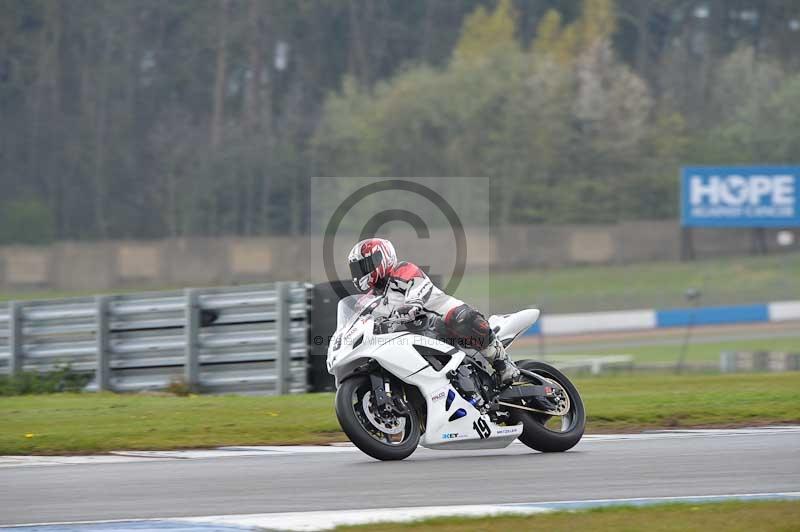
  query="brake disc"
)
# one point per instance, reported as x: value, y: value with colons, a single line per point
x: 397, y: 427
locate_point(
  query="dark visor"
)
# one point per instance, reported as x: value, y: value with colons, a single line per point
x: 366, y: 265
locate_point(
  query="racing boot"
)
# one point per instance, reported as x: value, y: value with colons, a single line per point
x: 506, y: 370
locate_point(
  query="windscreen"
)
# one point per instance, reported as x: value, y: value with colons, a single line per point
x: 352, y: 306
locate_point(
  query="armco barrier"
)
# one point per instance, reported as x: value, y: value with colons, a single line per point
x: 731, y: 362
x: 647, y: 319
x: 247, y: 339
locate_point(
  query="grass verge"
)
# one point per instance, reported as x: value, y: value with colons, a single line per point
x: 699, y: 350
x: 725, y: 281
x: 634, y: 402
x: 729, y: 516
x: 91, y: 423
x: 590, y: 288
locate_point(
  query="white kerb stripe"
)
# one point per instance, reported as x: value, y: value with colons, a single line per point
x: 589, y: 322
x: 784, y: 311
x: 326, y: 520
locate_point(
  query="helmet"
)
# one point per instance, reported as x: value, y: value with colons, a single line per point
x: 371, y: 261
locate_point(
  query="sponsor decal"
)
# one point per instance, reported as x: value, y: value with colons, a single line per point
x: 741, y: 196
x: 454, y: 436
x: 738, y: 195
x: 510, y: 430
x: 439, y: 396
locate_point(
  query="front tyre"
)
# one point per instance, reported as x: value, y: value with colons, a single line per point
x: 551, y: 434
x: 383, y: 438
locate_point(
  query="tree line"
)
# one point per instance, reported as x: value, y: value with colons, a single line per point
x: 146, y: 119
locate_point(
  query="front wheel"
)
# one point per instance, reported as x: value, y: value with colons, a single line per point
x: 386, y: 438
x: 547, y: 433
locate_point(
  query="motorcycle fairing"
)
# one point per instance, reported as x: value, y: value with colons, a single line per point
x: 508, y: 327
x: 452, y: 421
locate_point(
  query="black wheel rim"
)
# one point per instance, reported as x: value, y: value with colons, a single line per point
x: 357, y: 403
x: 568, y: 421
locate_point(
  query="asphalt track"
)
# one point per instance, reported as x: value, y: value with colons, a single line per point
x: 598, y: 468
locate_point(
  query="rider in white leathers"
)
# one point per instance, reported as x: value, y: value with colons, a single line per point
x: 410, y: 293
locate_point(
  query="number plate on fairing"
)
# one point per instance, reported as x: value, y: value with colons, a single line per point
x: 482, y: 434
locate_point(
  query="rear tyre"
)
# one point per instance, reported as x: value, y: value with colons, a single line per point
x: 537, y: 430
x: 374, y: 435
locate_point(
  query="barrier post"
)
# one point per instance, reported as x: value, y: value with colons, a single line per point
x: 728, y: 361
x: 15, y: 339
x: 102, y: 334
x: 283, y: 353
x: 192, y: 330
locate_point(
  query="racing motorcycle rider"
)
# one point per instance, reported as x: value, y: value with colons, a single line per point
x: 410, y: 293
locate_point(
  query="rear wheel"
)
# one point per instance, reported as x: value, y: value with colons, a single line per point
x: 382, y: 436
x: 548, y: 433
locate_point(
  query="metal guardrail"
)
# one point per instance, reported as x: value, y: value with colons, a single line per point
x: 596, y: 365
x: 731, y: 361
x: 247, y: 339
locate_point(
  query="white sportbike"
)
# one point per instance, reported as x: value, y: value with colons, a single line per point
x: 399, y: 384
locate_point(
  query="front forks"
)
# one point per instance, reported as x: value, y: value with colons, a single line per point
x: 387, y: 402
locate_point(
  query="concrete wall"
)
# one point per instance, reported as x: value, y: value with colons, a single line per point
x: 160, y: 263
x: 98, y: 266
x: 622, y: 243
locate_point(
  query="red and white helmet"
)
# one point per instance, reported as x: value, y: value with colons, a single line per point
x: 371, y: 261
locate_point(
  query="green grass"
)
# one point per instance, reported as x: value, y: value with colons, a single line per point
x: 84, y: 423
x: 697, y: 352
x: 633, y: 402
x: 588, y: 288
x: 646, y: 285
x: 728, y: 516
x: 76, y: 423
x: 30, y: 382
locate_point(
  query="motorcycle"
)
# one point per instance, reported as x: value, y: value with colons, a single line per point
x: 400, y: 384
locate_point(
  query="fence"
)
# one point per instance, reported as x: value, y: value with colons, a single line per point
x: 731, y: 362
x: 248, y: 339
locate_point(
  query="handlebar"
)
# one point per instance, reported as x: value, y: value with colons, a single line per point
x: 418, y: 323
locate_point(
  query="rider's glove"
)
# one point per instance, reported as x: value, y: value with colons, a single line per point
x: 409, y: 312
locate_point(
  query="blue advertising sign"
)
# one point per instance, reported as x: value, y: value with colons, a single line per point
x: 740, y: 196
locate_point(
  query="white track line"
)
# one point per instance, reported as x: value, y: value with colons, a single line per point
x: 307, y: 521
x: 326, y: 520
x: 26, y: 461
x: 285, y: 450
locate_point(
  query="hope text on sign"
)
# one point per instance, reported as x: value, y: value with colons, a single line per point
x: 740, y: 196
